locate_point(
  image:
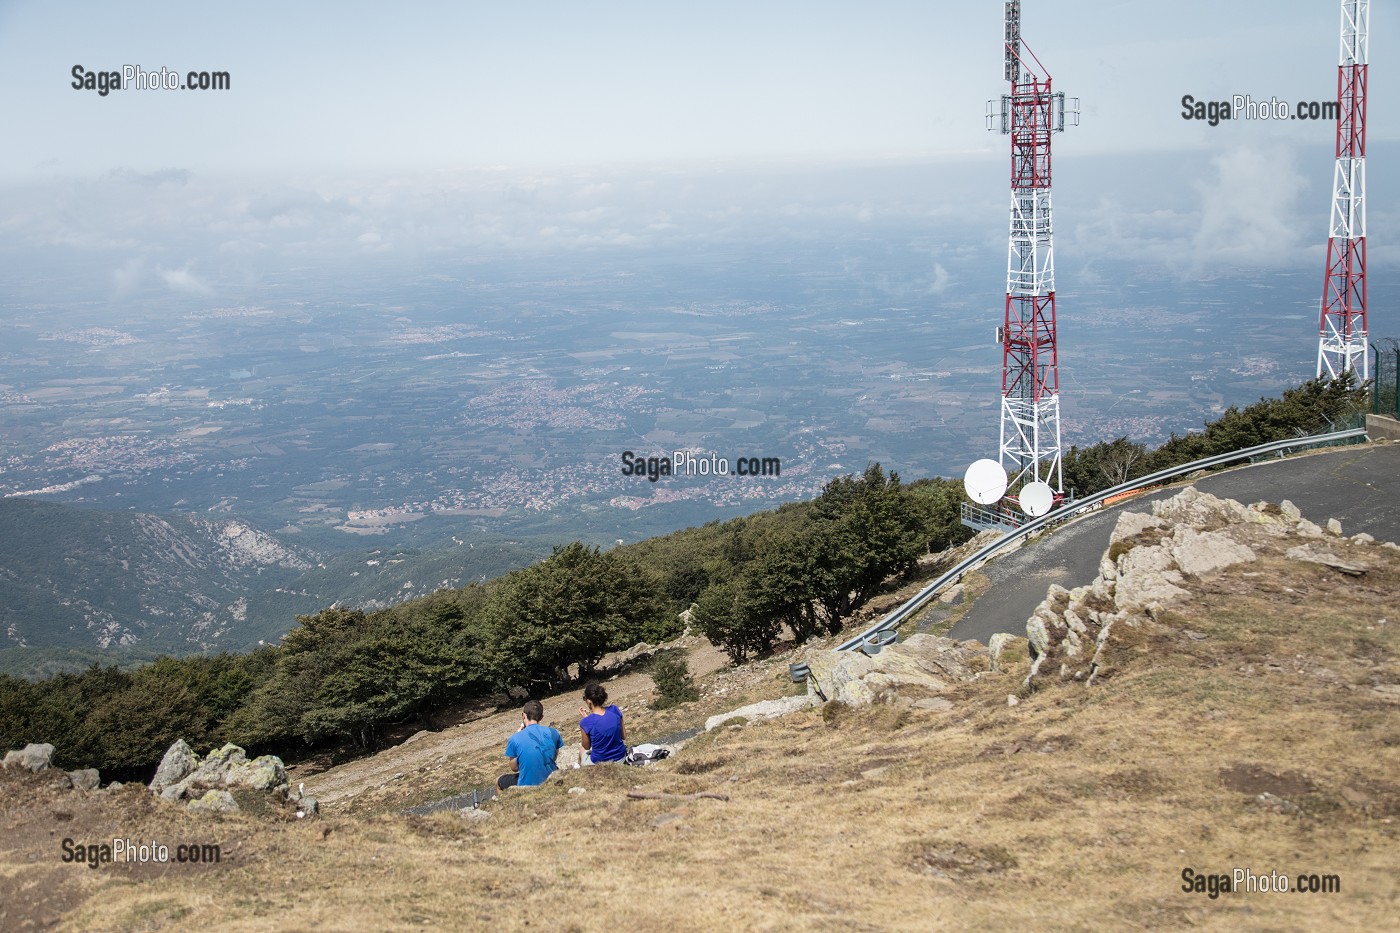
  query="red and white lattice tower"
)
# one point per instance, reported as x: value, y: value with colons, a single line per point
x: 1341, y: 345
x: 1030, y: 377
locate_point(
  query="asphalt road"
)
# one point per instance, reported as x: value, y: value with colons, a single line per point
x: 1359, y: 486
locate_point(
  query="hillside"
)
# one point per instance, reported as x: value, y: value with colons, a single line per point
x: 81, y: 585
x: 84, y: 578
x: 1246, y: 723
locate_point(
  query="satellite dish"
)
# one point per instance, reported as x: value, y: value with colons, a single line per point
x: 985, y: 482
x: 1036, y: 499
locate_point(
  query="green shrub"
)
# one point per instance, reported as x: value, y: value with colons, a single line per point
x: 674, y: 685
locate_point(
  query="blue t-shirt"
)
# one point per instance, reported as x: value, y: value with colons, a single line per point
x: 604, y: 735
x: 535, y: 747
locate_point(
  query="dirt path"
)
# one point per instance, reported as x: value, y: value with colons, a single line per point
x: 426, y: 752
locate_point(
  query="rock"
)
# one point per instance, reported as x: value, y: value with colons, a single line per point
x: 1197, y: 553
x: 578, y: 790
x: 1132, y: 524
x: 179, y: 763
x: 1308, y: 529
x: 1290, y: 511
x: 86, y: 779
x: 182, y: 774
x: 175, y: 792
x: 265, y: 773
x: 1363, y: 538
x: 33, y: 757
x: 1147, y: 590
x: 474, y: 815
x: 1334, y: 527
x: 921, y: 666
x: 1199, y: 509
x: 933, y: 704
x: 1038, y: 634
x: 214, y: 769
x: 308, y: 806
x: 1012, y: 700
x: 1314, y: 555
x: 115, y: 786
x: 214, y: 801
x: 768, y: 709
x: 995, y: 645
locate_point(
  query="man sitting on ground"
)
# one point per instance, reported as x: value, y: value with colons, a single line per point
x: 532, y: 750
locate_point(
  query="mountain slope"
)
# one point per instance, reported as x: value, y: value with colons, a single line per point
x: 84, y: 578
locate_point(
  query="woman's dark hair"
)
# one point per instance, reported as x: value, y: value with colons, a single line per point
x: 594, y: 693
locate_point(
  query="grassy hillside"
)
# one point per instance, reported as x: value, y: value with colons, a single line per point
x: 1251, y: 727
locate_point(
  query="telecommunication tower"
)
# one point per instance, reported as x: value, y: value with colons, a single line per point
x: 1030, y: 377
x: 1341, y: 343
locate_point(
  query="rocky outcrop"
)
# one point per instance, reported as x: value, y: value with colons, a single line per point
x: 217, y: 782
x: 1149, y: 564
x: 33, y: 757
x: 914, y: 672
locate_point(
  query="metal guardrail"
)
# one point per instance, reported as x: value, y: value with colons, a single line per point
x: 914, y: 604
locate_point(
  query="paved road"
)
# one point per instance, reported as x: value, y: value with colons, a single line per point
x: 1359, y: 486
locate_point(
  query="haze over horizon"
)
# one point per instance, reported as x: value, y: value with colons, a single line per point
x: 397, y: 173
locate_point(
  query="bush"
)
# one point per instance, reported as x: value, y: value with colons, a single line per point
x: 674, y: 685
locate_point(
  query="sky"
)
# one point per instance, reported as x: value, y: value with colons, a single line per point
x: 420, y: 129
x: 467, y: 85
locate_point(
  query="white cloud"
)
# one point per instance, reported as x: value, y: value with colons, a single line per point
x: 941, y: 279
x: 183, y: 280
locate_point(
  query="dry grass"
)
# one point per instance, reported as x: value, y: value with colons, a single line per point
x: 1077, y: 809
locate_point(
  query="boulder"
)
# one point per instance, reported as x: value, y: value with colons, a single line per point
x: 917, y: 668
x: 1198, y: 552
x: 86, y: 778
x: 768, y: 709
x: 266, y: 773
x: 214, y: 801
x: 179, y: 763
x: 35, y: 756
x: 995, y: 646
x: 1132, y: 524
x: 183, y: 775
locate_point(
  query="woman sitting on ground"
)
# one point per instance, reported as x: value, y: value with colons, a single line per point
x: 604, y: 735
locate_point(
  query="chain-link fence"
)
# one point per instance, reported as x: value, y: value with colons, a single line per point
x: 1385, y: 381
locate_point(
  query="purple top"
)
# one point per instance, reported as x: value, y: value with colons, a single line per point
x: 604, y: 732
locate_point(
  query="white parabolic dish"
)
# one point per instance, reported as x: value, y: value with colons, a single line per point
x: 1036, y: 499
x: 985, y: 482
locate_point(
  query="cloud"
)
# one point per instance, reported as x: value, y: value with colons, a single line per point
x: 1249, y: 210
x: 128, y: 278
x: 182, y: 280
x: 941, y: 278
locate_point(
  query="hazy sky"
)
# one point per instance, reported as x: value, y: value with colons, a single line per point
x: 465, y: 84
x: 425, y: 131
